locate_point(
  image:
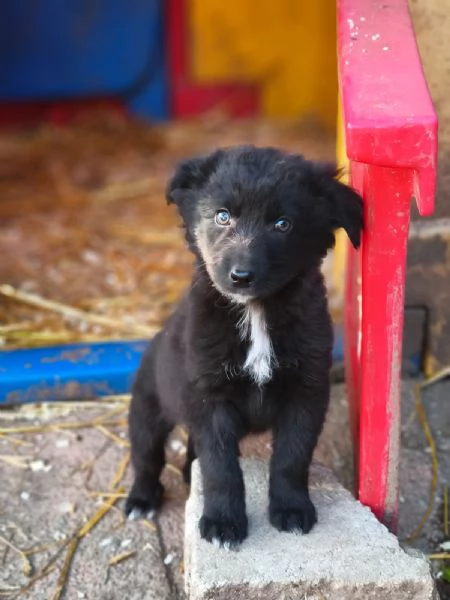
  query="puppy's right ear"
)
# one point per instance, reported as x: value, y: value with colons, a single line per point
x: 190, y: 176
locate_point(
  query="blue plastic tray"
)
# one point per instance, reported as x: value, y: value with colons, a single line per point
x: 75, y: 371
x: 68, y: 372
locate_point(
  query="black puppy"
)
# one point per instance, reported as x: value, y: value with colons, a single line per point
x: 249, y: 347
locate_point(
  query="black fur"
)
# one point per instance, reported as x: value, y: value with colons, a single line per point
x: 192, y: 371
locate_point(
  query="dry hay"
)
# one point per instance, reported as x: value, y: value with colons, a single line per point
x: 88, y: 248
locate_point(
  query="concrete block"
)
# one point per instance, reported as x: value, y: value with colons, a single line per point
x: 348, y: 555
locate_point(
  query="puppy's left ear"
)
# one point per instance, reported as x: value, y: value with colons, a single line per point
x: 190, y: 176
x: 345, y: 205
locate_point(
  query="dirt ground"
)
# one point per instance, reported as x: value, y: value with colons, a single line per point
x: 84, y: 221
x: 416, y: 476
x: 63, y: 463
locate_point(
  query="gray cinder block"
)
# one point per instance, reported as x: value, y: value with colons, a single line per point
x: 348, y: 555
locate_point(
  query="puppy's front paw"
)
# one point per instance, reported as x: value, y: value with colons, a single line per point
x: 223, y: 532
x: 299, y: 519
x: 140, y: 505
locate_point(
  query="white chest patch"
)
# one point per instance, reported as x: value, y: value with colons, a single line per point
x: 260, y: 357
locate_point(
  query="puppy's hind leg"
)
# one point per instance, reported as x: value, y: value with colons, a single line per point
x: 148, y: 433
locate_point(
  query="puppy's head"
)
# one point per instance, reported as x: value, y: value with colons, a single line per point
x: 257, y: 217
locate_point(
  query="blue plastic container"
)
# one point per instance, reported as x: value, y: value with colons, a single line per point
x: 61, y: 49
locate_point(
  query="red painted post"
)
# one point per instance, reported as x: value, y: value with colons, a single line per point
x: 351, y: 349
x: 391, y: 142
x: 352, y: 338
x: 388, y: 198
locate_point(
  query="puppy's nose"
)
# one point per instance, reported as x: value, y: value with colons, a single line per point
x: 241, y: 278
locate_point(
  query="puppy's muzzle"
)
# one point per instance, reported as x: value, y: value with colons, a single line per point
x: 242, y: 278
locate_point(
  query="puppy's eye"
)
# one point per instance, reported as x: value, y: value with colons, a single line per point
x: 282, y: 225
x: 223, y: 217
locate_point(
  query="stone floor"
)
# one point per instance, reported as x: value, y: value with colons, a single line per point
x: 55, y: 480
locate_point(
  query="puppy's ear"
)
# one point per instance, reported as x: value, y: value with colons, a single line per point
x: 345, y: 206
x: 191, y: 175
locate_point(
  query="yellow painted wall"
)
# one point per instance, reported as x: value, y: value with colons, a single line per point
x: 340, y: 251
x: 287, y: 46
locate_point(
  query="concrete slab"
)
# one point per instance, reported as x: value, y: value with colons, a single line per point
x: 348, y: 555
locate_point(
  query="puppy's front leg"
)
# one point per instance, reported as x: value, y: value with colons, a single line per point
x: 224, y: 520
x: 294, y: 439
